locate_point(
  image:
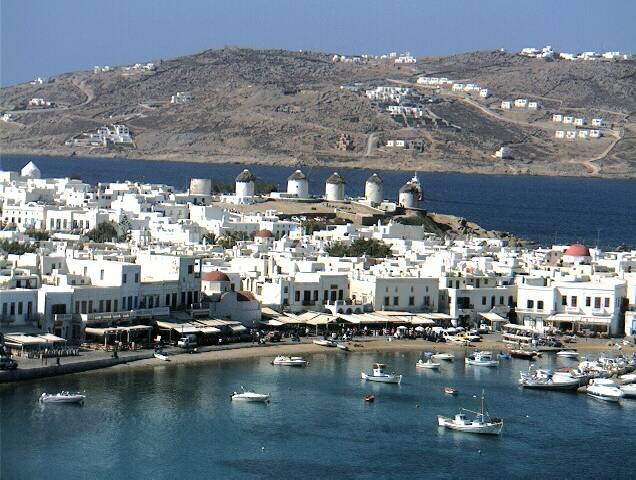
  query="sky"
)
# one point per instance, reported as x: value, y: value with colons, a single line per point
x: 47, y: 37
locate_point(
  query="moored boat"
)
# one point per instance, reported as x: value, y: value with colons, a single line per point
x: 62, y: 397
x: 605, y: 393
x: 548, y: 380
x: 160, y: 355
x: 343, y: 346
x: 568, y: 354
x: 449, y: 357
x: 629, y: 391
x: 481, y: 359
x: 523, y: 354
x: 247, y: 396
x: 369, y: 398
x: 427, y: 364
x: 325, y: 343
x: 286, y: 361
x: 481, y: 423
x: 379, y: 375
x: 450, y: 391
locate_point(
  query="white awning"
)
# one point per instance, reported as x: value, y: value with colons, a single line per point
x: 272, y: 323
x: 493, y: 317
x: 514, y: 326
x: 238, y: 328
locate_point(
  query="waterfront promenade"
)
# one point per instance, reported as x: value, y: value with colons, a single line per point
x: 98, y: 359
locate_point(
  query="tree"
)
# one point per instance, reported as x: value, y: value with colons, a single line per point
x: 229, y: 239
x: 104, y: 232
x: 371, y: 248
x: 39, y: 235
x: 126, y: 228
x: 16, y: 248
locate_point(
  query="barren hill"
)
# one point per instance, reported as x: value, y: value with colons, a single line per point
x: 282, y: 107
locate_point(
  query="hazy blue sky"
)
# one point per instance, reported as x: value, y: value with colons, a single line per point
x: 44, y: 37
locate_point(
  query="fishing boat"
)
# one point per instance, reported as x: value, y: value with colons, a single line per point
x: 379, y: 375
x: 450, y: 391
x: 480, y: 423
x: 247, y: 396
x: 325, y: 343
x: 449, y: 357
x: 427, y: 364
x: 523, y: 354
x: 568, y: 354
x: 481, y: 359
x: 286, y: 361
x: 343, y: 346
x: 62, y: 397
x: 629, y: 391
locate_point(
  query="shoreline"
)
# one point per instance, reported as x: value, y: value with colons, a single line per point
x: 275, y: 162
x: 246, y: 351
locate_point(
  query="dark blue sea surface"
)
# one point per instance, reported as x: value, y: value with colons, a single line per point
x: 172, y: 422
x: 590, y: 210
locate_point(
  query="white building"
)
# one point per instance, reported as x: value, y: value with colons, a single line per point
x: 374, y: 190
x: 506, y: 105
x: 334, y: 188
x: 298, y: 185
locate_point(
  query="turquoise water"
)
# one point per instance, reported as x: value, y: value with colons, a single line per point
x: 178, y: 422
x: 544, y: 209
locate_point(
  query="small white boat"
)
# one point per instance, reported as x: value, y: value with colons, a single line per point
x: 162, y: 356
x: 629, y: 391
x: 568, y: 354
x: 601, y: 392
x: 285, y: 361
x: 247, y: 396
x: 343, y: 346
x: 427, y: 364
x: 481, y: 359
x: 62, y: 397
x: 325, y: 343
x: 443, y: 356
x: 628, y: 378
x: 379, y: 375
x: 548, y: 380
x: 481, y: 423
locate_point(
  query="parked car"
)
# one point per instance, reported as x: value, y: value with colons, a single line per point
x: 187, y: 341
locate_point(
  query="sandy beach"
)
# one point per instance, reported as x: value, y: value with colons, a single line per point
x: 380, y: 345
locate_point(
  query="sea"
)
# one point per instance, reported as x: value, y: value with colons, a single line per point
x: 547, y: 210
x: 173, y: 422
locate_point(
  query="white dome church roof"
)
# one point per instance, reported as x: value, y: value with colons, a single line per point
x: 31, y: 170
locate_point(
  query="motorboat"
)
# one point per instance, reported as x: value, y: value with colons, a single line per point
x: 547, y: 380
x: 161, y: 355
x: 247, y: 396
x: 481, y: 359
x: 628, y: 378
x: 604, y: 392
x: 523, y: 354
x: 450, y: 391
x: 427, y: 364
x: 343, y: 346
x: 568, y: 354
x: 286, y: 361
x: 629, y: 391
x: 379, y: 375
x: 325, y: 343
x: 369, y: 398
x: 62, y: 397
x: 480, y: 423
x: 449, y: 357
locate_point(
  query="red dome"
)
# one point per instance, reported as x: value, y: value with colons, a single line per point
x: 214, y: 276
x: 264, y: 233
x: 578, y: 250
x: 244, y: 296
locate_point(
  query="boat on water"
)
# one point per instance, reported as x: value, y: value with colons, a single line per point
x: 62, y: 397
x: 523, y: 354
x: 247, y: 396
x: 568, y: 354
x: 161, y: 355
x: 285, y: 361
x: 604, y: 392
x: 369, y: 398
x: 379, y: 375
x: 481, y: 359
x: 628, y: 378
x: 481, y: 422
x: 450, y: 391
x: 504, y: 356
x: 449, y: 357
x: 548, y: 380
x: 325, y: 343
x: 427, y: 364
x: 629, y: 391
